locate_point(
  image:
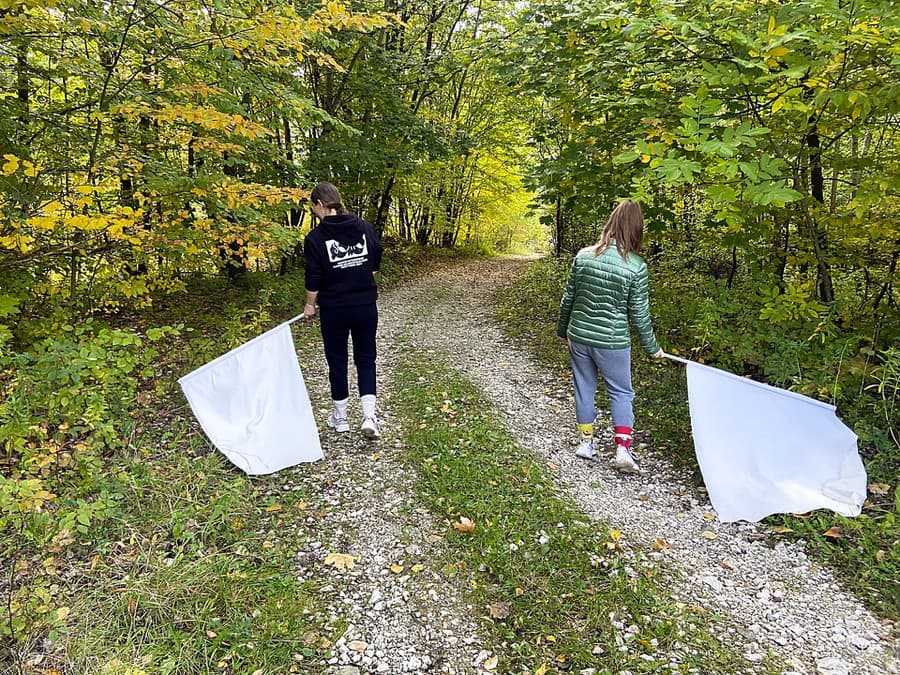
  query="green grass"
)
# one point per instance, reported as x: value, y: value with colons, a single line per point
x: 867, y: 556
x: 577, y: 597
x: 193, y: 571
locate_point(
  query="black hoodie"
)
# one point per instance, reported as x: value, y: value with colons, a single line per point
x: 342, y: 253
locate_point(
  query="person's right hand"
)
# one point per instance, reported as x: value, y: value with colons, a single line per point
x: 309, y: 311
x: 660, y: 354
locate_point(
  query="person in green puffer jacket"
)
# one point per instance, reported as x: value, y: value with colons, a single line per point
x: 606, y: 291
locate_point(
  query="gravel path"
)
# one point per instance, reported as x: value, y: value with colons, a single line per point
x: 413, y: 620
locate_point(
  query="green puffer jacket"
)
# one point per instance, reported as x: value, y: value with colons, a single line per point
x: 603, y: 292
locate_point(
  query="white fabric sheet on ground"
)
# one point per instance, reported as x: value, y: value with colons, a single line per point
x: 253, y: 404
x: 764, y: 450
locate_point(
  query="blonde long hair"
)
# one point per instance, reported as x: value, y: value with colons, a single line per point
x: 626, y: 226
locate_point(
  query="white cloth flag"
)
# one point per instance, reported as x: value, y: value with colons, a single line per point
x: 253, y: 404
x: 764, y: 450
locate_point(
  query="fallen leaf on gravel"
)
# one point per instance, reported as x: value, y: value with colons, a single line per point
x: 660, y: 544
x: 500, y: 610
x: 706, y: 534
x: 879, y: 555
x: 709, y: 516
x: 464, y: 525
x: 357, y: 645
x: 434, y: 538
x: 258, y: 671
x: 834, y: 532
x: 375, y: 458
x: 417, y: 568
x: 519, y: 591
x: 542, y: 669
x: 310, y: 638
x: 396, y: 569
x: 781, y: 529
x: 491, y: 663
x: 879, y: 488
x: 725, y: 565
x: 274, y: 507
x: 342, y: 561
x: 211, y: 634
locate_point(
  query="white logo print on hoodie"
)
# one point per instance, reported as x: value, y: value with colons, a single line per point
x: 351, y: 255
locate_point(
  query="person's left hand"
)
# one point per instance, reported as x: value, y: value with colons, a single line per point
x: 309, y: 311
x: 660, y: 354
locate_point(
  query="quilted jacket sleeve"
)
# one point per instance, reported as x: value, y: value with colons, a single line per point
x: 639, y: 310
x: 565, y: 305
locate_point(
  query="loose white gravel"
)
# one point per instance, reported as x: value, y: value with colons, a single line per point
x: 771, y: 599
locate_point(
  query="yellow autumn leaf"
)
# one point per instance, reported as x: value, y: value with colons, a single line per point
x: 879, y: 488
x: 274, y: 507
x: 417, y: 568
x: 396, y: 569
x: 342, y: 561
x: 779, y: 51
x: 10, y: 165
x: 491, y: 663
x: 706, y: 534
x: 771, y: 27
x: 660, y: 544
x: 542, y: 669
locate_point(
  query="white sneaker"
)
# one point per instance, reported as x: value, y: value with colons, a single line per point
x: 370, y: 427
x: 624, y: 461
x: 585, y: 450
x: 339, y: 424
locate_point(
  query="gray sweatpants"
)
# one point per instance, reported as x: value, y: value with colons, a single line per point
x: 588, y: 363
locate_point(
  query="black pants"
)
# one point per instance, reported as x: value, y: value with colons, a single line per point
x: 338, y: 324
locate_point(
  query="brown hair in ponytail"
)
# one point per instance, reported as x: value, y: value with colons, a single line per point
x: 329, y: 196
x: 626, y: 226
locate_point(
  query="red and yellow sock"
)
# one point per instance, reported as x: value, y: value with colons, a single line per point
x: 623, y: 437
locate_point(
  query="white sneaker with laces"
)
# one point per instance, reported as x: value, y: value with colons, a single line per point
x: 624, y: 461
x: 370, y: 427
x: 339, y: 424
x: 585, y: 450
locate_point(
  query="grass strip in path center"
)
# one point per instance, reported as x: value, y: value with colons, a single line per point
x: 558, y: 593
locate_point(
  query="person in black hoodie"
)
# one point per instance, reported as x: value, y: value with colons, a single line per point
x: 342, y: 255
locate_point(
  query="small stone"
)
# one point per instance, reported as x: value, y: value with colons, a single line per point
x: 345, y: 670
x: 859, y: 642
x: 714, y: 584
x: 832, y: 666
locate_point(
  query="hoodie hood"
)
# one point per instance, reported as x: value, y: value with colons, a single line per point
x: 345, y: 228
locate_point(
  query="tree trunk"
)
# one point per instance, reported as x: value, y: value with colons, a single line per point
x: 816, y: 231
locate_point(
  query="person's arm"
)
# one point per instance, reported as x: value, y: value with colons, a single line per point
x: 309, y: 309
x: 565, y: 305
x: 639, y: 312
x: 312, y: 275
